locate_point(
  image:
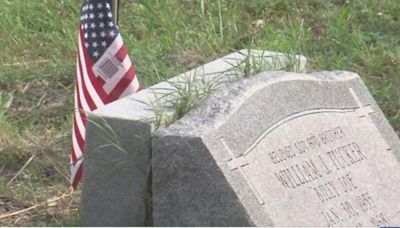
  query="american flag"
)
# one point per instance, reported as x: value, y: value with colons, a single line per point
x: 104, y: 72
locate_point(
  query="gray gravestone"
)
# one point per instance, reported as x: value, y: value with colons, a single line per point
x: 280, y: 149
x: 118, y: 140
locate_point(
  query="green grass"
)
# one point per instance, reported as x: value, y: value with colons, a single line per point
x: 165, y: 38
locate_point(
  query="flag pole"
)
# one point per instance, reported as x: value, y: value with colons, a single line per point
x: 115, y: 10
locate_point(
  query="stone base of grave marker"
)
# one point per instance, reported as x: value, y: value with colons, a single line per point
x: 280, y: 149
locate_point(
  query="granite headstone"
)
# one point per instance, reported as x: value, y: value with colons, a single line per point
x: 118, y: 140
x: 280, y: 149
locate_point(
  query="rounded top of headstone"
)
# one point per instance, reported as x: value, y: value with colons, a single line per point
x: 220, y: 103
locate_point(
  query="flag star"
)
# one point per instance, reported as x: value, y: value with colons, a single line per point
x: 82, y: 18
x: 101, y: 24
x: 99, y: 6
x: 111, y: 24
x: 94, y: 35
x: 112, y: 33
x: 81, y: 26
x: 91, y: 6
x: 107, y: 5
x: 109, y: 14
x: 93, y: 25
x: 86, y: 26
x: 91, y: 16
x: 100, y: 15
x: 103, y: 43
x: 94, y: 44
x: 95, y: 54
x: 103, y: 34
x: 86, y: 16
x: 86, y: 35
x: 86, y: 44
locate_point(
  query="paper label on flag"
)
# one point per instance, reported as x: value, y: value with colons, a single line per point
x: 107, y: 67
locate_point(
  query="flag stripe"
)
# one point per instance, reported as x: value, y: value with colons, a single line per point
x: 73, y: 156
x: 132, y: 88
x: 79, y: 123
x: 76, y: 173
x: 122, y: 53
x: 81, y: 117
x: 79, y: 138
x: 83, y: 103
x: 123, y: 84
x: 77, y: 148
x: 82, y: 86
x: 115, y: 45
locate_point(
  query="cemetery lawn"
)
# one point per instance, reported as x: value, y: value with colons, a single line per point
x: 164, y: 38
